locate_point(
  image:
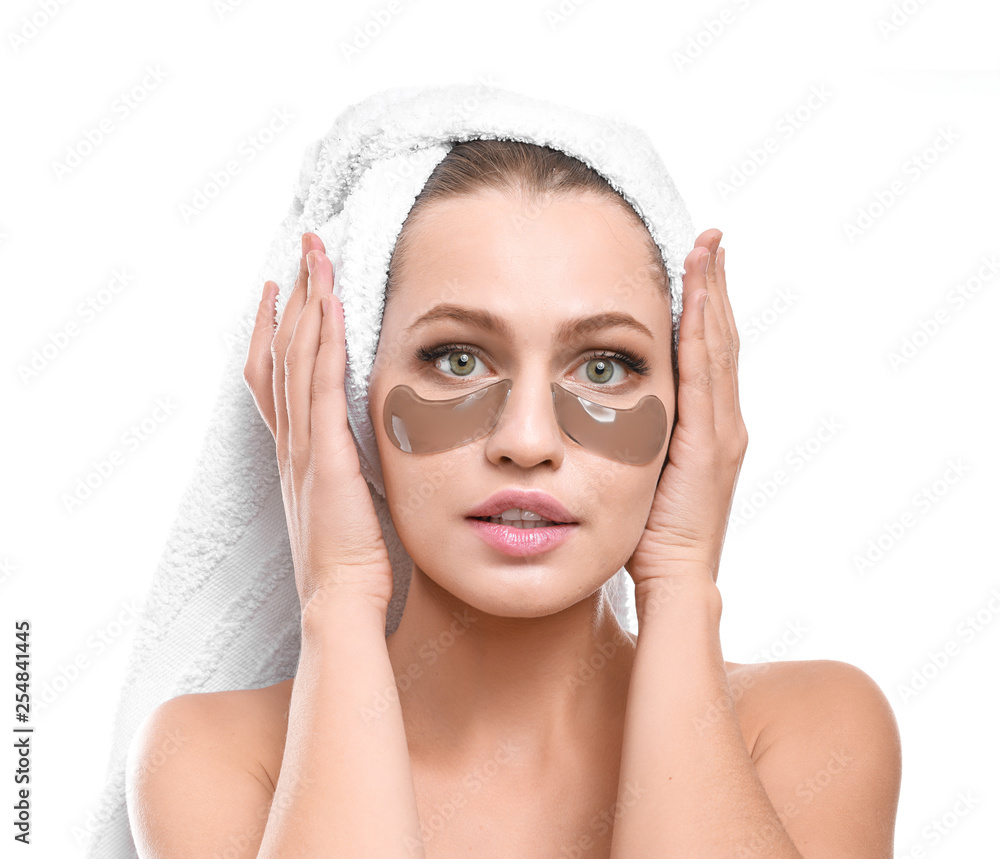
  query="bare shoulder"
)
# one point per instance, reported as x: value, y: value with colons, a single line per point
x: 826, y: 748
x: 209, y: 759
x: 781, y: 695
x: 251, y: 722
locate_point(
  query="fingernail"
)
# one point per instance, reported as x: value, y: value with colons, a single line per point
x: 305, y: 244
x: 704, y: 263
x: 310, y: 261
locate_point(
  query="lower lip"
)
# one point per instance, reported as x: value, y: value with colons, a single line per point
x: 519, y: 542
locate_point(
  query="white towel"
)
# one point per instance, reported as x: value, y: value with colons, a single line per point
x: 223, y: 611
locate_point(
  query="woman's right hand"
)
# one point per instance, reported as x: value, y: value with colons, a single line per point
x: 296, y: 376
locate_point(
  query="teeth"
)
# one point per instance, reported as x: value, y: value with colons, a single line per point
x: 518, y: 518
x: 518, y: 513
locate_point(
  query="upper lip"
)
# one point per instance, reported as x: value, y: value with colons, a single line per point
x: 539, y: 502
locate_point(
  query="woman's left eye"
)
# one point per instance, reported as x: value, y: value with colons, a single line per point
x: 599, y: 367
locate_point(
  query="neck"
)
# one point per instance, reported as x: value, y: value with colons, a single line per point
x: 469, y: 681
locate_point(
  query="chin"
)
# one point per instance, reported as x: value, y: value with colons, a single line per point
x: 513, y: 590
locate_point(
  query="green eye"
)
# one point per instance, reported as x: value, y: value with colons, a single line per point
x: 600, y: 370
x: 461, y: 362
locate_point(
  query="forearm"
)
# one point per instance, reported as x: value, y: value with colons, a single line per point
x: 684, y: 761
x: 346, y: 786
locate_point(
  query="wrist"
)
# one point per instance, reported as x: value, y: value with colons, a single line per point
x: 686, y: 593
x: 334, y: 607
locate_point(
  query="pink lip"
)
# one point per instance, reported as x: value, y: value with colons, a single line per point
x: 540, y: 502
x: 519, y: 542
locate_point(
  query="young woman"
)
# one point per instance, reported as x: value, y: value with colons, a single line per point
x: 510, y: 714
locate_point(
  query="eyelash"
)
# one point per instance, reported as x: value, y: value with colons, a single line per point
x: 636, y: 363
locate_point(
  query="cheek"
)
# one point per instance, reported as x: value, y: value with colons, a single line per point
x: 417, y: 487
x: 423, y: 494
x: 618, y: 500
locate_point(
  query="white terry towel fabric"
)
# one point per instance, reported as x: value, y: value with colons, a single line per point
x: 223, y: 611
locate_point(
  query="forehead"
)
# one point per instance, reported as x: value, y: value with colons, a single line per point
x: 565, y: 255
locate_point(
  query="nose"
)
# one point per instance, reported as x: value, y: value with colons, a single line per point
x: 527, y: 431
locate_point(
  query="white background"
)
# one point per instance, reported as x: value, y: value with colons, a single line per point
x: 820, y: 311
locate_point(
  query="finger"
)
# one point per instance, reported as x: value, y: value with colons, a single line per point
x: 258, y: 370
x: 694, y: 395
x: 735, y: 342
x: 720, y: 277
x: 723, y: 368
x: 328, y: 418
x: 728, y: 405
x: 282, y: 336
x: 710, y: 239
x: 718, y: 299
x: 300, y: 357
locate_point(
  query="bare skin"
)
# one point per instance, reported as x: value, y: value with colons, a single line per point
x: 573, y: 784
x: 514, y: 729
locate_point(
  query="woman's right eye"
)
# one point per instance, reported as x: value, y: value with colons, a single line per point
x: 457, y: 361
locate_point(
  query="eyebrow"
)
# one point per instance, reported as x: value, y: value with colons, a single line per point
x: 567, y: 330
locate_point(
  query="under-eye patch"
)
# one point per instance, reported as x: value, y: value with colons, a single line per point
x: 416, y: 425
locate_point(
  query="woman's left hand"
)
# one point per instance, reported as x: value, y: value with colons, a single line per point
x: 690, y: 512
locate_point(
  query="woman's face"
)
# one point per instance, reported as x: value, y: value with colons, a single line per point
x: 532, y: 267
